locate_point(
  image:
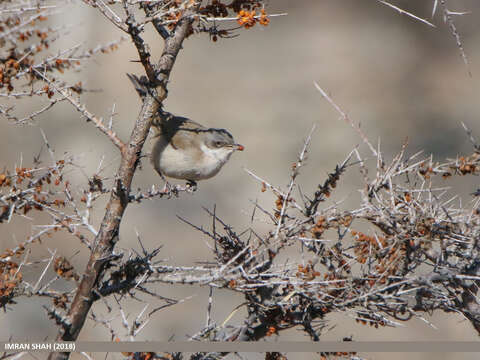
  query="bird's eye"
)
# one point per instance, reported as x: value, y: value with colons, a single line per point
x: 218, y: 144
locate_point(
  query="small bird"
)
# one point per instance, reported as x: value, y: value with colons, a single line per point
x: 184, y: 149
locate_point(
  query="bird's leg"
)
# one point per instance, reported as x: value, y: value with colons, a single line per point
x: 192, y: 185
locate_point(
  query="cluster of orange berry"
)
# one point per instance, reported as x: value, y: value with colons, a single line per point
x: 35, y: 200
x: 468, y: 165
x: 307, y: 272
x: 365, y: 245
x: 319, y: 228
x: 64, y: 269
x: 271, y: 331
x: 9, y: 70
x: 366, y: 319
x: 10, y: 277
x: 425, y: 171
x: 248, y: 19
x: 60, y: 301
x: 19, y: 250
x: 370, y: 246
x: 24, y: 36
x: 141, y: 355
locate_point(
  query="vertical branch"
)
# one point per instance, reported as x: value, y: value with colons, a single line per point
x: 108, y: 233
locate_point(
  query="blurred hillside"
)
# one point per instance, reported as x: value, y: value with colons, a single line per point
x: 396, y: 76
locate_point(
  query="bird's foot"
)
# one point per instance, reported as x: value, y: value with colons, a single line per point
x: 191, y: 186
x: 169, y: 189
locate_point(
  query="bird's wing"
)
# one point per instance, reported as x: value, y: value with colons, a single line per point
x: 181, y: 140
x: 181, y: 134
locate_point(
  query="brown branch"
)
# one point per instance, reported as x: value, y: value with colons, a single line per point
x: 157, y: 23
x: 119, y: 199
x: 142, y: 48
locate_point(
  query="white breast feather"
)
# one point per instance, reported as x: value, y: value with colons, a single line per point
x: 178, y: 164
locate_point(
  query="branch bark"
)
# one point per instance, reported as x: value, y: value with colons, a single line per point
x: 107, y: 236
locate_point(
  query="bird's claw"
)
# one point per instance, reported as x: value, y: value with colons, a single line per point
x: 191, y: 186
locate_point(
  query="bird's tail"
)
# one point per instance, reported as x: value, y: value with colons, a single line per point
x: 140, y: 84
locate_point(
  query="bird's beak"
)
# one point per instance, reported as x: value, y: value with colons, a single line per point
x: 238, y: 147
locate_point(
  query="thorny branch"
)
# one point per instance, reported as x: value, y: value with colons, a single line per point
x: 108, y: 232
x: 421, y: 256
x: 408, y: 248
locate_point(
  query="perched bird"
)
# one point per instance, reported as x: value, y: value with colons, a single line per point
x: 184, y: 149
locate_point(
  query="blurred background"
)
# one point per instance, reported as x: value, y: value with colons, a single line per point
x: 396, y: 76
